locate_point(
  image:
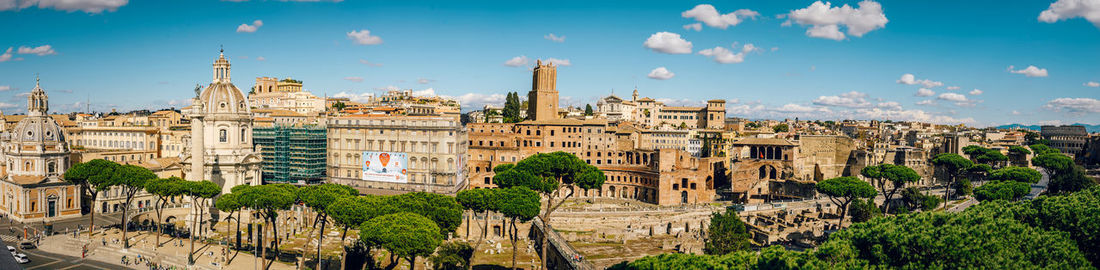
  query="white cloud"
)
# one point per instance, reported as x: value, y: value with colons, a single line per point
x: 889, y: 105
x: 388, y: 88
x: 927, y: 102
x: 354, y: 79
x: 5, y: 87
x: 830, y: 31
x: 952, y: 97
x: 517, y: 61
x: 976, y: 92
x: 1015, y: 112
x: 559, y: 62
x: 683, y: 102
x: 695, y: 26
x: 1030, y: 71
x: 925, y: 92
x: 665, y: 42
x: 849, y: 100
x: 725, y: 56
x: 40, y: 50
x: 554, y: 38
x: 1092, y: 84
x: 709, y: 15
x: 369, y: 63
x: 246, y: 28
x: 424, y: 93
x: 5, y: 105
x: 260, y: 58
x: 6, y: 56
x: 1074, y: 105
x: 952, y: 88
x: 478, y: 100
x: 795, y: 108
x: 910, y: 79
x: 87, y: 6
x: 1068, y: 9
x: 661, y: 73
x: 363, y: 37
x: 424, y: 81
x: 825, y: 20
x: 910, y: 115
x: 357, y: 97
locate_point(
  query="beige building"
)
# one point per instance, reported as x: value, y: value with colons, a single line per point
x: 36, y: 155
x: 435, y: 147
x: 116, y: 138
x: 660, y: 176
x: 221, y: 134
x: 286, y: 94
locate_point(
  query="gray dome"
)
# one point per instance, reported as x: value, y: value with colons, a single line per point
x: 37, y: 129
x: 224, y: 97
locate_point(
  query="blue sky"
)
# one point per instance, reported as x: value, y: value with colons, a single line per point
x: 150, y: 54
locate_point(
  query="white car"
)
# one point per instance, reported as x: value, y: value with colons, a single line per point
x: 11, y: 249
x: 21, y: 258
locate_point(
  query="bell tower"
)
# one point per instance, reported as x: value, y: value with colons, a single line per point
x: 221, y: 68
x: 37, y: 102
x: 543, y: 98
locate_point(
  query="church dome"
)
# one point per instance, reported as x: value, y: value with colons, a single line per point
x: 38, y: 126
x: 221, y: 96
x: 224, y: 97
x: 35, y: 129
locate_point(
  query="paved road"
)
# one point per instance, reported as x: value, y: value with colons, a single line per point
x: 46, y: 260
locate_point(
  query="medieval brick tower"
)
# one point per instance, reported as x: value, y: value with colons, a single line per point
x: 543, y: 98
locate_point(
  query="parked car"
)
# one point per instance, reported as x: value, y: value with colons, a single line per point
x: 26, y: 245
x: 11, y: 249
x: 21, y: 258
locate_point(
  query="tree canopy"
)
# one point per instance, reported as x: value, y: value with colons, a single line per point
x: 1018, y: 150
x: 545, y: 172
x: 1053, y: 162
x: 1050, y: 232
x: 726, y: 234
x: 407, y: 235
x: 781, y: 128
x: 1040, y: 149
x: 843, y: 190
x: 1002, y: 190
x: 1018, y: 174
x: 519, y: 203
x: 443, y: 210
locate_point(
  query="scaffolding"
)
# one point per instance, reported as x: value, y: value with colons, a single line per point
x: 292, y: 154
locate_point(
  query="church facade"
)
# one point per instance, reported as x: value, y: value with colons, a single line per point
x: 36, y: 156
x: 221, y: 147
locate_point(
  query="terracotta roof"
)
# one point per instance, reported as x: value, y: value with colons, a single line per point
x: 156, y: 163
x: 566, y: 122
x: 27, y: 179
x: 764, y: 141
x: 670, y: 108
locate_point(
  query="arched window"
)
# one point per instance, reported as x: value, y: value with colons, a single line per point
x: 51, y: 167
x: 242, y: 134
x: 223, y: 135
x: 763, y: 172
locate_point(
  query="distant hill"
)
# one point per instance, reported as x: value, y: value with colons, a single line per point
x: 1089, y: 128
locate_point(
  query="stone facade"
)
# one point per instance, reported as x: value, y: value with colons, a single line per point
x: 543, y: 97
x: 221, y: 134
x: 435, y: 146
x: 36, y: 155
x: 658, y: 176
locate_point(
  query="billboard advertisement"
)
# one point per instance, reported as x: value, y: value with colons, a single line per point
x: 386, y: 167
